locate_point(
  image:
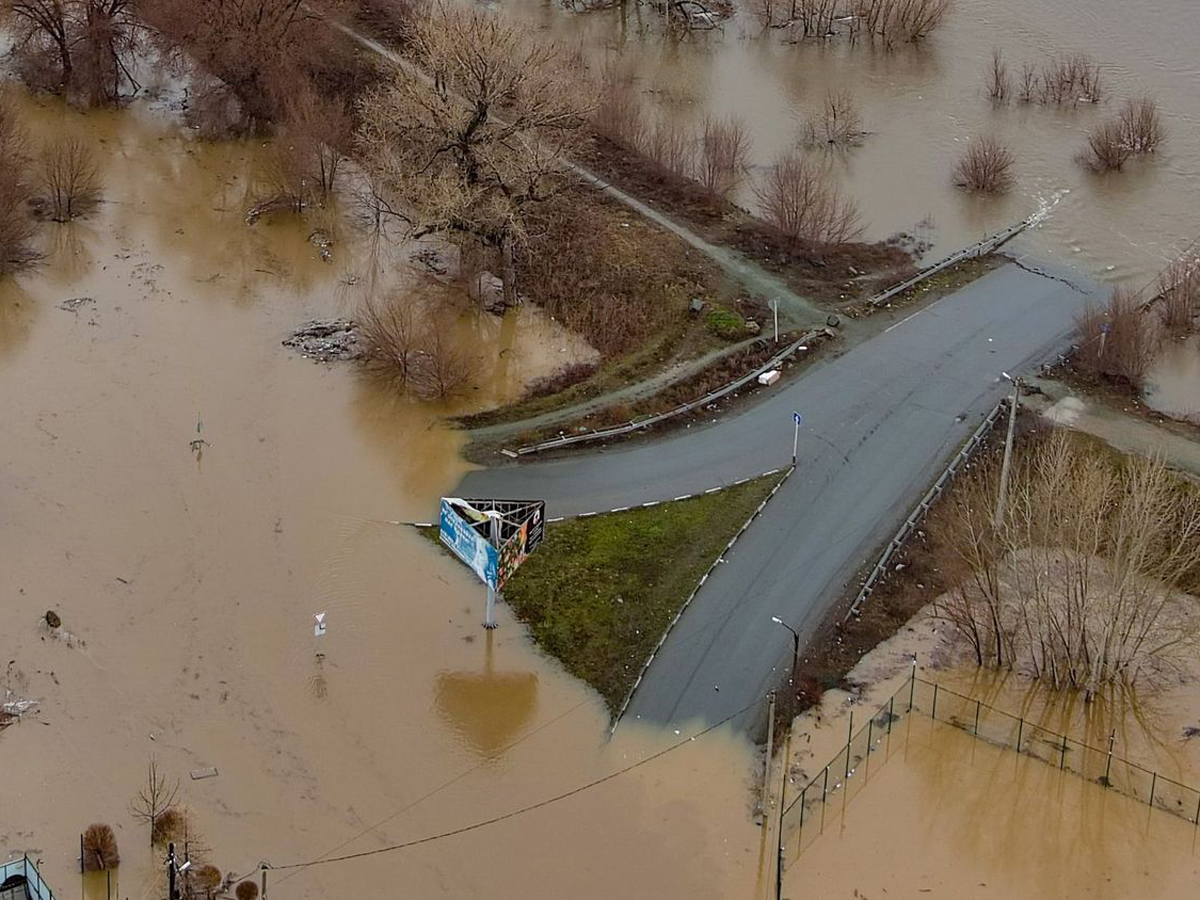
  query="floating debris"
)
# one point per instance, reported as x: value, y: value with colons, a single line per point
x: 334, y: 339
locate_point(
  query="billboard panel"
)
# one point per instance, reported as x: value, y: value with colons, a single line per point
x: 460, y: 530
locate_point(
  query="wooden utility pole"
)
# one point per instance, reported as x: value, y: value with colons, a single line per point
x: 1002, y: 500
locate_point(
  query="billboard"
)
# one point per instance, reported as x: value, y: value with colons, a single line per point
x: 462, y: 529
x: 466, y: 528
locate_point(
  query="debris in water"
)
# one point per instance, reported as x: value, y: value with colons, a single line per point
x: 53, y: 619
x: 334, y: 339
x: 323, y: 243
x: 1191, y: 731
x: 206, y: 772
x: 74, y: 303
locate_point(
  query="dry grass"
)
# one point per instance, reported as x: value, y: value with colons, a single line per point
x: 985, y: 167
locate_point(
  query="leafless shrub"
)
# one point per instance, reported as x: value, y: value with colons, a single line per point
x: 68, y: 179
x: 319, y: 128
x: 838, y: 124
x: 618, y: 115
x: 1071, y: 80
x: 670, y: 149
x: 1079, y: 584
x: 100, y: 848
x: 999, y: 83
x: 765, y: 12
x: 155, y: 801
x: 901, y: 21
x: 389, y: 330
x: 805, y: 208
x: 1107, y: 147
x: 1142, y: 125
x: 1117, y: 341
x: 202, y: 881
x: 985, y: 167
x: 17, y: 226
x: 443, y: 367
x: 815, y: 18
x: 1179, y: 290
x: 246, y: 890
x: 721, y: 160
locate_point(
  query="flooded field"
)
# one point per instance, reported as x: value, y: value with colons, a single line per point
x: 187, y: 581
x: 944, y: 815
x: 922, y: 104
x: 1173, y: 383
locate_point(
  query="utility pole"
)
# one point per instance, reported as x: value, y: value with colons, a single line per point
x: 1002, y: 500
x: 172, y: 893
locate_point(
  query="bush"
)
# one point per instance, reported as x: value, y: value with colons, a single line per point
x: 805, y: 208
x: 100, y: 848
x: 1117, y: 342
x: 17, y: 227
x: 726, y: 324
x: 68, y: 178
x: 246, y: 890
x: 986, y: 167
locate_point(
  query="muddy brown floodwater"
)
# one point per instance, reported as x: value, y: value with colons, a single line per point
x: 922, y: 104
x: 1173, y: 383
x: 187, y: 582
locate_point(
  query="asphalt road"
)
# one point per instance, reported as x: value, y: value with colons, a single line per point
x: 880, y: 422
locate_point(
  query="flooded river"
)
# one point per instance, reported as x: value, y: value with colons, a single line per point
x: 187, y: 581
x: 922, y: 104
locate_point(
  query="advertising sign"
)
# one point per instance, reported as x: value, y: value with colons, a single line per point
x: 463, y: 530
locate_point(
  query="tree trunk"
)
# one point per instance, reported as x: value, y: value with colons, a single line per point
x: 509, y: 275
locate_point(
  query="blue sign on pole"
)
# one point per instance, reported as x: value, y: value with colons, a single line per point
x: 796, y: 417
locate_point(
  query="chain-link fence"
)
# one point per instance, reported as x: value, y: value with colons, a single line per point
x: 845, y: 775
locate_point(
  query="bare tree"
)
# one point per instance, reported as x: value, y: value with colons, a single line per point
x: 320, y: 130
x: 999, y: 83
x: 68, y: 178
x: 985, y: 167
x: 901, y: 21
x: 671, y: 149
x: 1118, y: 341
x: 721, y: 161
x: 1080, y: 583
x: 17, y: 226
x: 1107, y: 148
x: 805, y: 208
x: 1030, y: 85
x: 155, y: 798
x: 44, y: 28
x: 472, y: 149
x: 1142, y: 125
x: 838, y: 124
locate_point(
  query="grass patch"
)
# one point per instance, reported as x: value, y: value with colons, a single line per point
x: 600, y: 591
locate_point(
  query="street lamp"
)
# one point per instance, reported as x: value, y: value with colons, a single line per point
x: 795, y: 645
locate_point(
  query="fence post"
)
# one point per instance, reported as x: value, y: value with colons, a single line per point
x: 1153, y: 785
x: 1198, y: 812
x: 933, y: 715
x: 1062, y: 760
x: 1020, y: 732
x: 870, y: 733
x: 891, y: 715
x: 976, y: 718
x: 825, y: 785
x: 912, y: 683
x: 803, y: 795
x: 1112, y: 737
x: 849, y: 741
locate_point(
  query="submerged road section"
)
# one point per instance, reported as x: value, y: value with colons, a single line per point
x: 879, y: 423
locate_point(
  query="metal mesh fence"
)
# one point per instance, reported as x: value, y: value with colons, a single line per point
x: 827, y: 793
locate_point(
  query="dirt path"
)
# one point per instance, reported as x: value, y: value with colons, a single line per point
x: 1124, y: 432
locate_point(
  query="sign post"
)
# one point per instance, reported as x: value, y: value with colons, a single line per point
x: 775, y: 309
x: 797, y: 418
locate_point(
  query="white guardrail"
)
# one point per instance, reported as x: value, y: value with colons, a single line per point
x: 984, y: 247
x: 618, y: 430
x: 960, y: 459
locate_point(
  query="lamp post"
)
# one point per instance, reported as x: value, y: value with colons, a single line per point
x: 795, y: 645
x: 1002, y: 499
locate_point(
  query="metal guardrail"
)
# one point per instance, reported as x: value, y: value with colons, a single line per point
x: 628, y: 427
x: 982, y: 248
x: 960, y: 459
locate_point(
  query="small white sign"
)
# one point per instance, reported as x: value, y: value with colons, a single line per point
x: 319, y: 625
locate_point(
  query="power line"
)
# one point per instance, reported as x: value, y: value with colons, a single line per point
x: 441, y: 787
x: 428, y: 839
